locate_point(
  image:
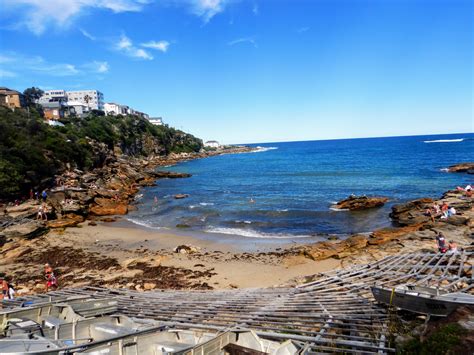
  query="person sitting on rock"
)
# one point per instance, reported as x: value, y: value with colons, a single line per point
x: 441, y: 243
x: 444, y: 210
x: 451, y: 211
x: 430, y: 213
x: 453, y: 247
x: 50, y: 278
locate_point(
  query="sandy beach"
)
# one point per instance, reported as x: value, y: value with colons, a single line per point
x: 214, y: 264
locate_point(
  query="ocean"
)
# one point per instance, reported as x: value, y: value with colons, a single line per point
x: 285, y: 190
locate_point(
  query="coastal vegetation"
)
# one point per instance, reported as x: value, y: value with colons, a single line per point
x: 33, y: 152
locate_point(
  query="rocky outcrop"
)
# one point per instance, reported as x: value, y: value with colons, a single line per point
x: 104, y: 191
x: 109, y: 209
x: 355, y: 243
x: 27, y: 229
x: 385, y: 235
x: 462, y: 168
x: 354, y: 203
x: 25, y: 210
x: 324, y: 250
x: 411, y: 213
x: 69, y: 221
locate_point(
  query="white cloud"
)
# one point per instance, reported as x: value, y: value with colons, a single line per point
x: 206, y: 9
x: 97, y: 67
x: 38, y: 15
x: 87, y: 34
x: 158, y: 45
x: 250, y: 40
x: 302, y: 29
x: 255, y: 9
x: 141, y: 53
x: 126, y: 46
x: 15, y: 64
x: 124, y: 43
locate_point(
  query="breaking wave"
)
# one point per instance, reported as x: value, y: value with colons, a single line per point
x: 249, y: 233
x: 445, y: 140
x: 142, y: 223
x: 263, y: 149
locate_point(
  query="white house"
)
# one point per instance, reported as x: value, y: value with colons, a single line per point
x: 157, y: 121
x: 93, y: 99
x: 212, y: 144
x: 111, y: 108
x: 53, y: 96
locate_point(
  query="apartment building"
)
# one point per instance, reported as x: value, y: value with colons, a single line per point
x: 93, y: 99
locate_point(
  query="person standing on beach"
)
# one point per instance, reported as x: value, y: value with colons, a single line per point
x: 50, y: 278
x: 441, y: 243
x: 4, y: 287
x: 7, y: 289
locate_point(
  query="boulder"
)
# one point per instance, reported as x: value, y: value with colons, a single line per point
x: 462, y: 168
x: 385, y: 235
x: 355, y: 242
x: 419, y: 204
x: 354, y: 203
x: 186, y: 249
x: 28, y: 229
x: 456, y: 220
x: 170, y: 175
x: 411, y: 213
x: 112, y: 209
x: 69, y: 221
x: 149, y: 286
x: 25, y: 210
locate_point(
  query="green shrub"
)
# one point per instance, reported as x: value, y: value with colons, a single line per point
x: 32, y: 151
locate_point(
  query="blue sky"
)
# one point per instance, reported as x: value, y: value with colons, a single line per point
x: 255, y: 71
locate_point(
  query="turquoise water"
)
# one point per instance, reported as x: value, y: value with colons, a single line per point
x: 293, y: 186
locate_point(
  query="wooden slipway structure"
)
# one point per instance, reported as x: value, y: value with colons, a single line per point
x: 334, y: 313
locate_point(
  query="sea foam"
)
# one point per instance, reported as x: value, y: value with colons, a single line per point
x: 250, y: 233
x: 263, y: 149
x: 445, y: 140
x: 142, y: 223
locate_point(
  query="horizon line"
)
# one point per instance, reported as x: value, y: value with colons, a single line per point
x: 349, y: 138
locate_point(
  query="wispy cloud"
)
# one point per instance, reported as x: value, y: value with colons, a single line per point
x: 302, y: 29
x: 87, y: 34
x: 125, y: 45
x: 206, y: 9
x: 158, y: 45
x: 6, y: 74
x: 255, y: 9
x: 38, y: 15
x: 250, y: 40
x: 15, y: 64
x: 97, y: 67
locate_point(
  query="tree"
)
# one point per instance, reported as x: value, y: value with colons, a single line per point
x: 32, y: 95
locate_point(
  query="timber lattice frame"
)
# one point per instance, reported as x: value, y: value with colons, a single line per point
x: 334, y: 313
